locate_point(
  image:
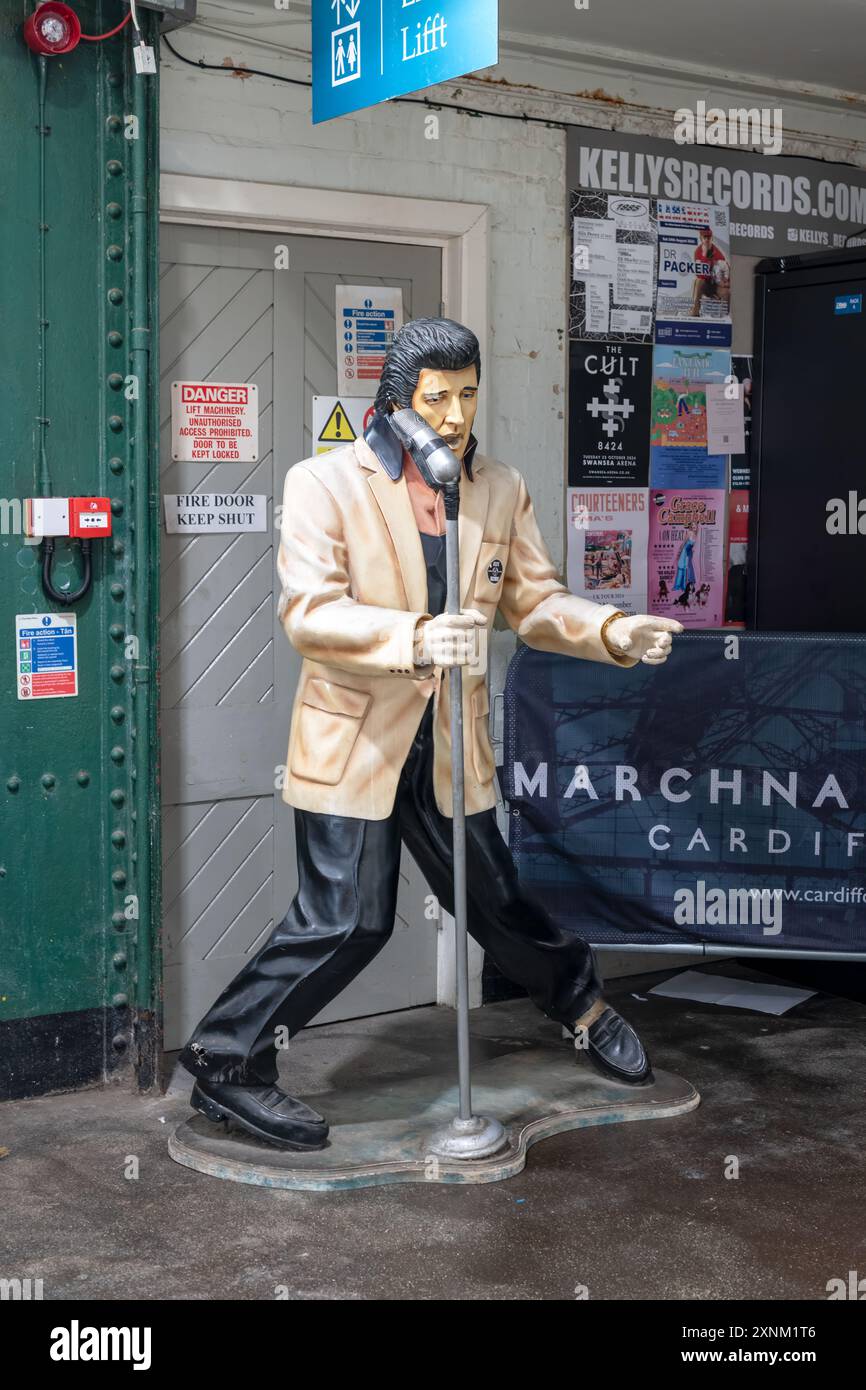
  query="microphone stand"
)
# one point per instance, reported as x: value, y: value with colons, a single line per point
x: 468, y: 1135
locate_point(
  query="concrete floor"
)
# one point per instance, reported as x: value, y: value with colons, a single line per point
x: 630, y: 1212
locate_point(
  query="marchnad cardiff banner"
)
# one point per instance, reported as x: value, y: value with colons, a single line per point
x: 719, y: 798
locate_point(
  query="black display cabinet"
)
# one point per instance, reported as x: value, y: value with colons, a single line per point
x: 807, y: 512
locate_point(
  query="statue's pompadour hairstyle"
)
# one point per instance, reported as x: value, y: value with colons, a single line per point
x: 441, y: 344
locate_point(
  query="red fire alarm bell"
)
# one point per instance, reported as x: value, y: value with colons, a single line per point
x: 52, y: 28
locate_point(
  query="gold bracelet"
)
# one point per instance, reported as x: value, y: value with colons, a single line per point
x: 608, y: 620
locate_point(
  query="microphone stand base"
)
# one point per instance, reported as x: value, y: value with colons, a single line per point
x: 477, y: 1137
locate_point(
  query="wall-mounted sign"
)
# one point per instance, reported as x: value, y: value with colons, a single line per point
x: 679, y: 456
x: 46, y: 655
x: 613, y: 264
x: 339, y: 421
x: 777, y: 205
x: 209, y: 512
x: 609, y: 414
x: 693, y: 305
x: 366, y: 51
x: 367, y: 317
x: 214, y: 422
x: 686, y: 576
x: 608, y: 529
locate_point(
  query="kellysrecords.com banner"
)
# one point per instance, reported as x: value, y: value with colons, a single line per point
x: 778, y: 205
x: 720, y: 797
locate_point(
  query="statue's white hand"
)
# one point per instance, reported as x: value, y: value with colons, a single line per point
x: 450, y: 639
x: 642, y: 635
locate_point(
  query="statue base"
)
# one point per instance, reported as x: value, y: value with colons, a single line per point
x: 382, y: 1133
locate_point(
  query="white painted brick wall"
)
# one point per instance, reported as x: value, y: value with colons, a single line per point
x: 261, y: 130
x: 253, y: 129
x: 225, y: 127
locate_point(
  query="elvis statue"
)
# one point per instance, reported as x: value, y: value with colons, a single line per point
x: 361, y: 564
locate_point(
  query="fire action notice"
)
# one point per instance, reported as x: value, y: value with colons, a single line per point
x: 47, y: 655
x: 214, y: 422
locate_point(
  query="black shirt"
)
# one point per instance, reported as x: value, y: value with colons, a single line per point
x: 434, y: 555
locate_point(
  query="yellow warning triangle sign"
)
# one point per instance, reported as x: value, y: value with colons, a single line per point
x: 337, y: 428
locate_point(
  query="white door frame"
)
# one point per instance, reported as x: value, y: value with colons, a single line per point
x: 460, y: 230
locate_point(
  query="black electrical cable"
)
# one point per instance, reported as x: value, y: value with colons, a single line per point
x: 411, y: 101
x: 449, y: 106
x: 65, y: 596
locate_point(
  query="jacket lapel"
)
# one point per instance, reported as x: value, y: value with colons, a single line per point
x: 396, y: 508
x: 474, y: 498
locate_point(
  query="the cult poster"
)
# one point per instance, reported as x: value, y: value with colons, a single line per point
x: 679, y: 457
x: 686, y: 572
x: 609, y: 414
x: 613, y: 258
x: 693, y: 303
x: 607, y: 545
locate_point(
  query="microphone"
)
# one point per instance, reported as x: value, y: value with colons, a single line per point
x: 437, y: 462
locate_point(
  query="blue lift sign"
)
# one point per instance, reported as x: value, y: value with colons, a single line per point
x: 366, y: 51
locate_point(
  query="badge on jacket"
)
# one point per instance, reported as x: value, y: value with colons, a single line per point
x: 494, y: 571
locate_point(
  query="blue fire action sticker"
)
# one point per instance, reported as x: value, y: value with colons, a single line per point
x: 46, y: 655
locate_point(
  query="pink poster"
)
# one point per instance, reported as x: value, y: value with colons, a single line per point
x: 686, y: 555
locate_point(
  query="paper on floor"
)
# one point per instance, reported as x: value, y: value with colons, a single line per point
x: 732, y: 993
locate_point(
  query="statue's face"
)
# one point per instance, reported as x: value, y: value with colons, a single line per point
x: 448, y: 401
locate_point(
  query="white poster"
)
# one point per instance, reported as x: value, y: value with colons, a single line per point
x: 209, y: 512
x: 598, y: 305
x: 339, y: 421
x: 214, y: 422
x: 726, y: 423
x: 368, y: 316
x: 613, y: 285
x: 608, y: 537
x: 594, y: 247
x: 635, y: 274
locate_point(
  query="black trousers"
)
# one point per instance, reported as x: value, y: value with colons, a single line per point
x: 344, y: 913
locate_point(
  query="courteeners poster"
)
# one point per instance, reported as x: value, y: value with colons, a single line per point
x: 609, y: 414
x: 608, y: 529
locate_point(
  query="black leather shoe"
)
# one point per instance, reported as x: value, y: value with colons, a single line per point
x: 615, y: 1050
x: 265, y: 1111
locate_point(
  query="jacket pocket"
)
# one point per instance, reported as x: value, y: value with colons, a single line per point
x: 490, y: 570
x: 482, y: 754
x: 329, y: 722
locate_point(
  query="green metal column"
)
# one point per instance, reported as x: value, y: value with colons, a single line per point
x: 79, y: 810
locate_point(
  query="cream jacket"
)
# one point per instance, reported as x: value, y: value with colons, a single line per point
x: 354, y: 586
